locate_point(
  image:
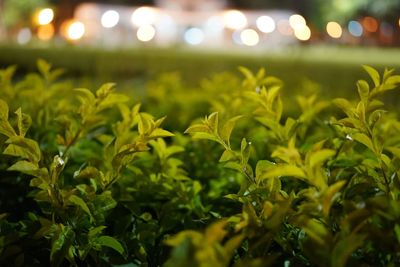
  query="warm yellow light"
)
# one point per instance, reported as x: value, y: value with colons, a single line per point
x: 303, y: 33
x: 144, y: 16
x: 146, y: 33
x: 234, y: 20
x: 297, y: 21
x: 249, y: 37
x: 334, y: 29
x: 45, y: 32
x: 45, y: 16
x: 74, y: 30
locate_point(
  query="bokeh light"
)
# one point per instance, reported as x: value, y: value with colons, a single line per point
x: 24, y: 36
x: 334, y: 29
x: 302, y: 33
x: 45, y: 16
x: 144, y: 16
x: 234, y: 20
x: 249, y: 37
x: 386, y: 29
x: 110, y: 19
x: 265, y: 24
x: 284, y: 27
x: 297, y: 21
x: 146, y: 33
x: 45, y: 32
x: 194, y: 36
x: 73, y: 30
x: 355, y: 28
x: 370, y: 24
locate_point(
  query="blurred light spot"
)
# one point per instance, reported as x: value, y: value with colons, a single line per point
x: 45, y: 32
x: 355, y: 28
x: 75, y: 30
x: 303, y: 33
x: 249, y: 37
x: 234, y: 19
x: 214, y: 24
x: 166, y: 28
x: 146, y: 33
x: 284, y: 27
x: 24, y: 36
x: 45, y: 16
x: 194, y: 36
x: 109, y: 19
x: 265, y: 24
x: 370, y: 24
x: 386, y: 29
x: 334, y: 29
x: 297, y: 21
x: 144, y: 16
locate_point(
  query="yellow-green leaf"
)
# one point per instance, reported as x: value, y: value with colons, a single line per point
x: 80, y: 203
x: 363, y: 139
x: 319, y: 157
x: 373, y: 74
x: 226, y: 130
x: 111, y: 242
x: 282, y: 170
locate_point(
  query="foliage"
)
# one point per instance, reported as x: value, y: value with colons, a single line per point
x: 89, y: 178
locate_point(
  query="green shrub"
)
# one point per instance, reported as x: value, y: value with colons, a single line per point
x: 88, y: 178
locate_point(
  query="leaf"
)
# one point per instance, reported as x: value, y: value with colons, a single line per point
x: 373, y: 74
x: 282, y: 170
x: 6, y: 129
x: 24, y: 167
x: 212, y: 121
x: 395, y: 151
x: 205, y: 136
x: 247, y: 73
x: 3, y: 110
x: 232, y: 244
x: 344, y: 105
x: 87, y: 97
x: 93, y: 232
x: 105, y: 90
x: 226, y: 130
x: 111, y: 242
x: 80, y: 203
x: 23, y: 147
x: 227, y: 155
x: 24, y: 122
x: 363, y: 90
x: 319, y: 157
x: 245, y: 151
x: 160, y: 133
x: 329, y: 196
x: 344, y: 248
x: 363, y: 139
x: 43, y: 67
x: 61, y: 243
x: 262, y: 167
x: 197, y: 128
x: 112, y: 100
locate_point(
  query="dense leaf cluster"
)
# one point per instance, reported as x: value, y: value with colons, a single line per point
x: 87, y: 178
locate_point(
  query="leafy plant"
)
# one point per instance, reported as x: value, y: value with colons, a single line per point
x: 89, y: 178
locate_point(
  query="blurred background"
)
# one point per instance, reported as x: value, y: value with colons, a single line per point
x: 223, y: 24
x: 306, y: 43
